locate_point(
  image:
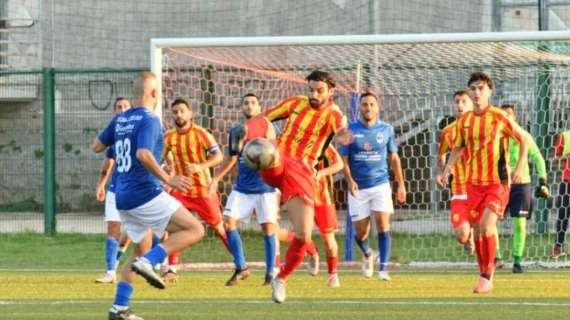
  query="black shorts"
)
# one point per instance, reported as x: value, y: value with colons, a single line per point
x: 520, y: 201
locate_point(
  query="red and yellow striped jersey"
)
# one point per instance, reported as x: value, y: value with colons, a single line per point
x: 191, y: 146
x: 307, y: 130
x: 324, y: 192
x: 482, y: 135
x: 446, y: 143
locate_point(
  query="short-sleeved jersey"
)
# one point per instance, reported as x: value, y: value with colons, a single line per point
x: 307, y: 130
x: 110, y: 153
x: 248, y: 180
x: 324, y: 192
x: 483, y: 135
x: 446, y: 143
x: 191, y: 146
x: 134, y: 129
x: 368, y: 153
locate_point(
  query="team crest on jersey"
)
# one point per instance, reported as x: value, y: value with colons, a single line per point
x: 367, y: 146
x: 379, y: 137
x: 473, y: 213
x: 456, y: 217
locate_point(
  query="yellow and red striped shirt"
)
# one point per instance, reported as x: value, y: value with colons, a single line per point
x: 191, y: 146
x: 446, y: 143
x: 307, y: 130
x: 482, y: 135
x: 324, y: 192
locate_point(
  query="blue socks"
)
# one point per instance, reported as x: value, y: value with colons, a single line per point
x: 123, y: 294
x: 156, y: 255
x: 269, y: 248
x: 155, y: 241
x: 364, y: 245
x: 384, y: 246
x: 111, y: 248
x: 236, y: 247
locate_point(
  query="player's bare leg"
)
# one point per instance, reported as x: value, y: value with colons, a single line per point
x: 331, y: 248
x: 384, y: 243
x: 362, y: 234
x: 301, y: 216
x: 464, y: 236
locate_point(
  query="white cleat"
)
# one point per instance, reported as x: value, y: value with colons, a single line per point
x: 333, y: 281
x: 143, y: 268
x: 384, y: 276
x: 278, y: 285
x: 313, y: 265
x: 107, y: 277
x: 368, y: 266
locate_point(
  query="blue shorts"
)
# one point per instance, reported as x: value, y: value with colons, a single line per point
x: 520, y: 201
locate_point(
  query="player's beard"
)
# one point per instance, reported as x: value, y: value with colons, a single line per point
x: 180, y: 123
x: 315, y: 103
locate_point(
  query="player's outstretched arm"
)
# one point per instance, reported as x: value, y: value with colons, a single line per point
x: 396, y: 166
x: 98, y: 146
x: 148, y: 161
x: 336, y: 166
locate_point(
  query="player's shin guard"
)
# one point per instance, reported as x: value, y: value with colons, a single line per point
x: 156, y: 255
x: 294, y: 257
x: 270, y: 248
x: 236, y: 249
x: 332, y: 264
x: 111, y: 248
x: 224, y: 239
x: 364, y: 245
x: 489, y: 253
x: 479, y: 250
x: 123, y: 294
x: 174, y: 260
x: 519, y: 237
x: 385, y: 248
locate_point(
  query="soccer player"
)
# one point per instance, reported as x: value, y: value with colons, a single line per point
x: 312, y: 121
x: 366, y: 171
x: 249, y: 194
x: 325, y: 213
x: 112, y: 218
x: 459, y: 206
x: 137, y: 138
x: 481, y: 134
x: 562, y: 151
x: 193, y: 151
x: 520, y: 198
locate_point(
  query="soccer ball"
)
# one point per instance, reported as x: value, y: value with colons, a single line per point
x: 259, y: 153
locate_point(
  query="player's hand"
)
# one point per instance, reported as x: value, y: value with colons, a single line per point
x: 401, y: 194
x: 194, y: 167
x: 100, y: 193
x: 166, y: 168
x: 517, y: 176
x: 353, y: 188
x: 344, y: 137
x: 179, y: 182
x: 237, y: 138
x: 443, y: 178
x: 542, y: 190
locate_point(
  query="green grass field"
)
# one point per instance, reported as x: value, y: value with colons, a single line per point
x: 58, y: 283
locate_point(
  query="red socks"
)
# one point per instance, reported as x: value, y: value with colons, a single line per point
x: 294, y: 257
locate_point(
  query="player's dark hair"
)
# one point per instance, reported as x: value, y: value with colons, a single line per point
x: 447, y: 120
x: 323, y: 76
x: 249, y: 95
x: 480, y: 76
x: 180, y: 100
x: 368, y: 94
x: 461, y: 92
x: 117, y: 101
x: 506, y: 106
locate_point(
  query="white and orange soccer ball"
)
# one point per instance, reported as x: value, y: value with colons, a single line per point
x: 259, y: 153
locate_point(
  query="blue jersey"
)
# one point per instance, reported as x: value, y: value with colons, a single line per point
x: 136, y: 128
x: 111, y: 155
x: 367, y: 154
x: 248, y: 180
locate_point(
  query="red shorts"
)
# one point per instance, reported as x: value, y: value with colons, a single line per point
x: 208, y: 208
x: 459, y: 212
x: 494, y: 197
x: 325, y: 218
x: 293, y: 178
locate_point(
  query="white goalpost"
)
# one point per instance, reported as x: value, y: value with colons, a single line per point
x: 415, y: 75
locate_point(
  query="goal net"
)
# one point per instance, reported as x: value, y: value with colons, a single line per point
x: 415, y: 76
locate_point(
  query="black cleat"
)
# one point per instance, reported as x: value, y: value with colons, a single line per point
x: 127, y: 314
x: 268, y: 279
x: 517, y: 268
x: 238, y: 275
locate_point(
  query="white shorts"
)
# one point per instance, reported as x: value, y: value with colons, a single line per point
x: 378, y: 198
x: 154, y: 215
x: 240, y: 206
x: 111, y: 212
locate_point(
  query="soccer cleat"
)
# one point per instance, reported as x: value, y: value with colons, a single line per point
x: 278, y: 290
x: 557, y: 252
x: 517, y: 268
x: 499, y: 263
x: 238, y: 275
x: 483, y: 286
x: 127, y: 314
x: 333, y: 281
x: 313, y: 265
x: 368, y: 266
x: 107, y: 277
x: 170, y: 276
x: 143, y: 268
x: 384, y: 276
x: 268, y: 279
